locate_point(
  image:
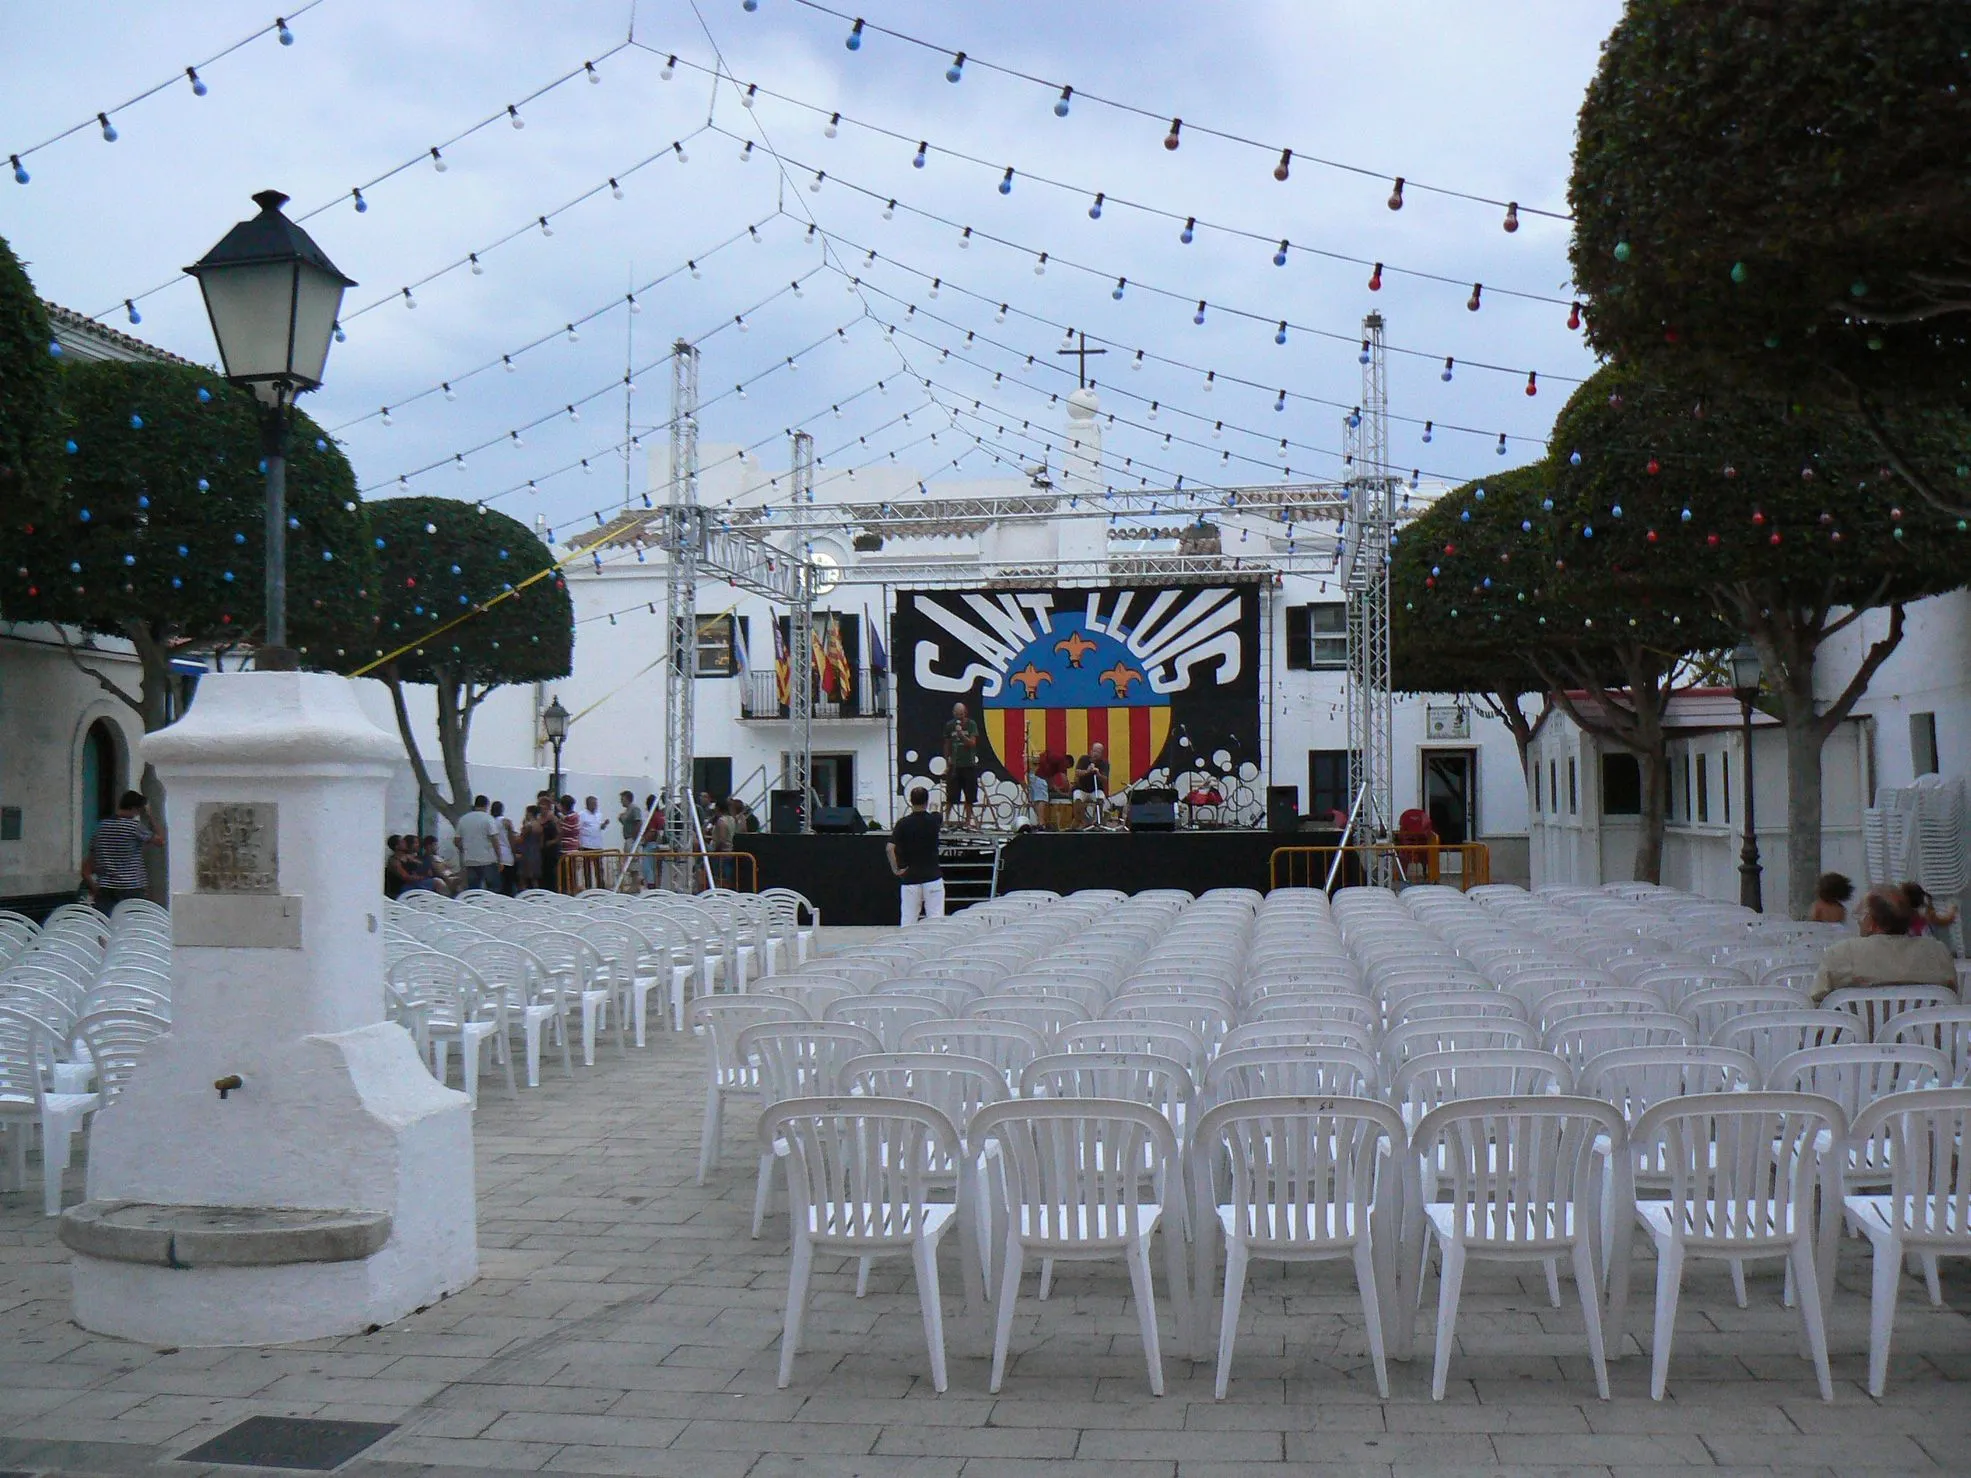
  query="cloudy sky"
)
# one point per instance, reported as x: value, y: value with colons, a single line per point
x: 1479, y: 99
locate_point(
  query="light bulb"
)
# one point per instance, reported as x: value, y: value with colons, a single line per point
x: 696, y: 272
x: 1501, y: 447
x: 1428, y: 427
x: 956, y: 71
x: 746, y: 153
x: 1006, y: 181
x: 796, y: 286
x: 438, y: 160
x: 1396, y: 195
x: 1199, y: 316
x: 513, y: 116
x: 1511, y: 222
x: 1280, y: 256
x: 1095, y: 210
x: 1137, y: 362
x: 750, y: 96
x: 478, y: 270
x: 514, y: 437
x: 792, y: 367
x: 1121, y: 283
x: 573, y: 414
x: 1061, y: 103
x: 1217, y: 430
x: 1284, y: 167
x: 1170, y: 140
x: 280, y: 30
x: 936, y: 283
x: 1040, y: 265
x: 754, y: 232
x: 1449, y: 363
x: 1573, y: 315
x: 1472, y: 303
x: 1153, y: 410
x: 21, y: 176
x: 450, y: 393
x: 199, y: 89
x: 832, y: 127
x: 130, y: 308
x: 1000, y: 316
x: 854, y: 43
x: 594, y: 76
x: 615, y: 189
x: 1279, y: 405
x: 386, y: 417
x: 814, y: 185
x: 573, y: 336
x: 1280, y: 333
x: 917, y: 160
x: 740, y: 391
x: 409, y: 301
x: 837, y: 410
x: 507, y: 360
x: 1190, y: 231
x: 740, y: 319
x: 677, y: 148
x: 546, y: 229
x: 340, y: 336
x: 1532, y: 382
x: 669, y: 69
x: 1363, y: 357
x: 362, y: 205
x: 890, y: 211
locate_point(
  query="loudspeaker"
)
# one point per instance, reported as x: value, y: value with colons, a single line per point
x: 784, y: 813
x: 1149, y: 811
x: 838, y: 819
x: 1283, y: 808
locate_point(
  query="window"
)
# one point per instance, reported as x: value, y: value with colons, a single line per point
x: 1724, y: 784
x: 1621, y: 785
x: 1704, y: 787
x: 1317, y: 638
x: 715, y: 648
x: 1327, y: 782
x: 1923, y: 744
x: 1687, y: 808
x: 1573, y: 788
x: 1536, y: 787
x: 1553, y: 786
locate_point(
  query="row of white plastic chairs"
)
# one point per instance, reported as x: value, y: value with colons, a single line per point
x: 1539, y: 1178
x: 81, y: 996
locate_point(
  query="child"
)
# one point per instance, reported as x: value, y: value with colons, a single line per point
x: 1831, y: 895
x: 1924, y: 917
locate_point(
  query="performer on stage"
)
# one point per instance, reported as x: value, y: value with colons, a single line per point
x: 913, y: 852
x: 961, y: 763
x: 1091, y: 786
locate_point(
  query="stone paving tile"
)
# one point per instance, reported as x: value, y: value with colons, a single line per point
x: 626, y: 1323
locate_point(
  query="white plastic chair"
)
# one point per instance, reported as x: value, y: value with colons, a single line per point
x: 28, y: 1050
x: 1877, y: 1006
x: 1290, y: 1072
x: 1064, y: 1204
x: 1927, y: 1211
x: 1311, y: 1179
x: 1855, y: 1075
x: 1007, y: 1045
x: 1741, y: 1176
x: 1947, y: 1028
x: 797, y: 1059
x: 1577, y: 1039
x: 1322, y: 1032
x: 457, y: 1008
x: 858, y: 1182
x: 1519, y: 1179
x: 1163, y: 1038
x: 116, y: 1039
x: 1771, y: 1035
x: 886, y: 1015
x: 728, y: 1074
x: 577, y: 973
x: 522, y: 980
x: 1712, y: 1009
x: 812, y: 993
x: 1043, y: 1015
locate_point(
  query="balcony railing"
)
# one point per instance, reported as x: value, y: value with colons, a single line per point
x: 868, y: 698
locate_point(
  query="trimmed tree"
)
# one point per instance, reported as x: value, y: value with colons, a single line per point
x: 1787, y: 522
x: 469, y: 600
x: 158, y: 534
x: 1771, y: 196
x: 1556, y: 597
x: 31, y: 428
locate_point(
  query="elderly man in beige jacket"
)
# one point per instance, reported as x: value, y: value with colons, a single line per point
x: 1886, y: 953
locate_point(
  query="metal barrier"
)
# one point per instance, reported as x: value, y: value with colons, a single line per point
x: 1463, y: 865
x: 677, y: 872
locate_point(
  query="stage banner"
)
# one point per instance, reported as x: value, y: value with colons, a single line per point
x: 1166, y: 678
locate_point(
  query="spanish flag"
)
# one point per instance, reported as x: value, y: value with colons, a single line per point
x: 780, y: 663
x: 841, y: 677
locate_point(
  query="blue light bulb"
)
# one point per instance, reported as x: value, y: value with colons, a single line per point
x: 1354, y: 419
x: 1574, y: 459
x: 204, y: 395
x: 183, y: 551
x: 1190, y: 231
x: 1464, y: 516
x: 239, y: 538
x: 1547, y: 505
x: 1616, y: 511
x: 293, y: 523
x: 1280, y: 333
x: 54, y: 349
x: 1526, y: 525
x: 70, y: 447
x: 287, y: 39
x: 136, y: 422
x: 750, y: 5
x: 176, y: 583
x: 1480, y: 495
x: 1061, y: 103
x: 130, y: 311
x: 918, y: 161
x: 1446, y: 374
x: 1686, y: 515
x: 143, y: 500
x: 1488, y: 582
x: 204, y: 486
x: 227, y: 577
x: 340, y: 336
x: 321, y: 444
x: 854, y: 43
x: 1199, y: 316
x: 1587, y: 531
x: 1006, y: 183
x: 956, y: 71
x: 1121, y: 283
x: 129, y: 559
x: 1280, y: 256
x: 21, y: 176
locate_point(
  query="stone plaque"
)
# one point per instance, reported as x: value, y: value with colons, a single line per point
x: 236, y: 847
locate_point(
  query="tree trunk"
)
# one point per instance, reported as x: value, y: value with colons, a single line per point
x: 1655, y: 767
x: 1804, y: 738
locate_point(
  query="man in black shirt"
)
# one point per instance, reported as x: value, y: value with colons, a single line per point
x: 1091, y: 785
x: 913, y: 849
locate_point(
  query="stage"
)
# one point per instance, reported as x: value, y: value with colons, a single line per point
x: 848, y: 877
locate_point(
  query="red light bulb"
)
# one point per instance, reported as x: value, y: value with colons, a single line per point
x: 1170, y: 140
x: 1532, y: 382
x: 1375, y: 279
x: 1573, y: 315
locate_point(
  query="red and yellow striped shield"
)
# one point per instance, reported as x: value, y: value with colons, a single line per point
x: 1133, y: 735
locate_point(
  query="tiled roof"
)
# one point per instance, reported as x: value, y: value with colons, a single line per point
x: 112, y: 343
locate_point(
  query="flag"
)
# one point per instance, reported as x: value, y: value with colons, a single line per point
x: 781, y: 667
x: 838, y: 662
x: 741, y: 663
x: 879, y: 660
x: 818, y: 660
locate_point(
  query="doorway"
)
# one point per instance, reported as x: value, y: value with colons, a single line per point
x: 101, y: 778
x: 713, y: 773
x: 1449, y: 794
x: 834, y: 779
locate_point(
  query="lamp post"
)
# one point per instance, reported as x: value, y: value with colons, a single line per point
x: 1746, y: 675
x: 273, y: 297
x: 554, y: 724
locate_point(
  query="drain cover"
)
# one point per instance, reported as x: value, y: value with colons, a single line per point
x: 289, y: 1442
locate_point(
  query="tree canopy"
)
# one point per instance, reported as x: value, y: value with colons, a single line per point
x: 1771, y: 195
x: 158, y: 534
x: 468, y: 599
x: 31, y: 432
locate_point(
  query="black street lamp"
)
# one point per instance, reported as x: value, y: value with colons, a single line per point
x: 1747, y: 673
x: 273, y: 297
x: 554, y: 724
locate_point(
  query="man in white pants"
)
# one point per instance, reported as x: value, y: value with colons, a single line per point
x: 913, y: 850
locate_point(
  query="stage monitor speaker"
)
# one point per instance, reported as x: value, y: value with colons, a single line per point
x: 784, y: 813
x: 1283, y: 808
x: 1154, y: 810
x: 838, y: 820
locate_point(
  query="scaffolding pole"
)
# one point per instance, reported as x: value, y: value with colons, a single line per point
x: 683, y: 538
x: 800, y: 630
x: 1365, y: 578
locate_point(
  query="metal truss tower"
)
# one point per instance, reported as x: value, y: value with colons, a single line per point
x: 800, y: 630
x: 1371, y: 520
x: 683, y: 538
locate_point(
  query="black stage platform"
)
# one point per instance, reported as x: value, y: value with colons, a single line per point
x: 849, y: 880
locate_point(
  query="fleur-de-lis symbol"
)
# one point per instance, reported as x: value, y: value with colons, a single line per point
x: 1122, y: 675
x: 1076, y: 646
x: 1031, y: 678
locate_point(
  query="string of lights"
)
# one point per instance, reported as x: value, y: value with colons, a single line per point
x: 1211, y: 378
x: 1067, y: 95
x: 279, y: 27
x: 1281, y: 327
x: 434, y: 154
x: 569, y: 330
x: 570, y: 409
x: 1279, y: 245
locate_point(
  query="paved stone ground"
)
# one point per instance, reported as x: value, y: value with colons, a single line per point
x: 626, y: 1324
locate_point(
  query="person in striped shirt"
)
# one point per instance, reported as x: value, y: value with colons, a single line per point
x: 114, y: 868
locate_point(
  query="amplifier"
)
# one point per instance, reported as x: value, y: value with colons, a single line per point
x: 838, y: 819
x: 784, y: 813
x: 1153, y: 815
x: 1283, y: 808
